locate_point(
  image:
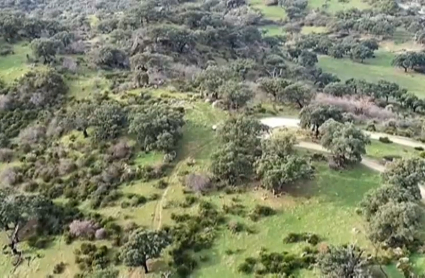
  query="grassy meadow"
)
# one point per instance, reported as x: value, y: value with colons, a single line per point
x: 373, y: 70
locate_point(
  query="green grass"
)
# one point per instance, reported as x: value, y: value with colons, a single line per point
x: 378, y: 150
x: 270, y: 12
x: 325, y: 206
x: 373, y: 70
x: 273, y: 30
x: 313, y: 30
x: 333, y: 6
x: 87, y: 84
x: 15, y: 65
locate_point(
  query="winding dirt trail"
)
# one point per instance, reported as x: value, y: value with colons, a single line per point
x: 275, y: 122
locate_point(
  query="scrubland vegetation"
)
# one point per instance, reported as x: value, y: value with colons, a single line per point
x: 131, y: 143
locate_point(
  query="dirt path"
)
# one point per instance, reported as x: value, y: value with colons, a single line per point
x: 159, y: 207
x: 370, y: 163
x: 274, y: 122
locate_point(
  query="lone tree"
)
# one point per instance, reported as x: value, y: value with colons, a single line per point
x: 235, y: 94
x: 46, y: 49
x: 343, y: 261
x: 406, y: 173
x: 144, y: 245
x: 20, y: 215
x: 297, y: 93
x: 157, y: 127
x: 346, y: 143
x: 276, y: 172
x: 278, y: 166
x: 239, y: 147
x: 315, y: 115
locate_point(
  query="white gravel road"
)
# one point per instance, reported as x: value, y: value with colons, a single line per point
x: 275, y: 122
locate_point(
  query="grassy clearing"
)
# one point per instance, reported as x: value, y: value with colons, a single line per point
x: 87, y: 85
x: 333, y: 6
x: 273, y: 30
x: 379, y: 150
x: 373, y: 70
x: 15, y: 65
x: 269, y: 12
x: 325, y: 206
x: 313, y: 30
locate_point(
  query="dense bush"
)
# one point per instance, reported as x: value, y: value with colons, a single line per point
x: 385, y: 140
x: 260, y: 211
x: 313, y: 239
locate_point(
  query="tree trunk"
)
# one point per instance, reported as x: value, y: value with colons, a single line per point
x: 145, y: 266
x: 405, y: 69
x: 86, y: 135
x: 300, y: 104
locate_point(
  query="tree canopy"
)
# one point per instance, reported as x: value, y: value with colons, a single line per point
x: 346, y: 143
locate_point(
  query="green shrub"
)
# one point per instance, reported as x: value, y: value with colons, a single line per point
x: 261, y: 211
x: 313, y: 239
x: 385, y: 140
x: 189, y: 200
x: 154, y: 197
x: 235, y: 227
x: 59, y: 268
x: 422, y: 154
x: 161, y: 184
x: 246, y: 268
x: 391, y: 157
x: 419, y: 148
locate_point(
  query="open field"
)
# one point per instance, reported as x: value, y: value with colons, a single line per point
x: 373, y: 70
x: 270, y: 12
x: 15, y: 65
x: 325, y: 206
x: 333, y: 6
x: 379, y: 150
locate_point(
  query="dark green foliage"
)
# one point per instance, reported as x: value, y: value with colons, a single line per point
x: 193, y: 234
x: 314, y: 116
x: 396, y: 224
x: 235, y: 227
x: 143, y: 245
x: 247, y: 267
x: 39, y: 89
x: 233, y: 161
x: 375, y: 199
x: 260, y: 211
x: 46, y: 49
x: 189, y: 201
x: 90, y: 257
x: 109, y: 57
x: 278, y: 263
x: 313, y: 239
x: 343, y: 261
x: 406, y: 173
x: 385, y: 140
x: 346, y: 142
x: 108, y: 120
x: 59, y: 268
x: 235, y: 209
x: 157, y: 127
